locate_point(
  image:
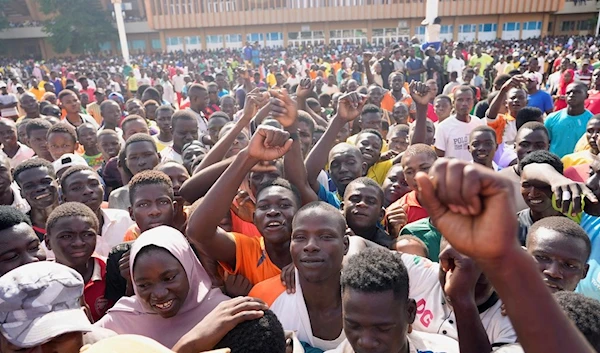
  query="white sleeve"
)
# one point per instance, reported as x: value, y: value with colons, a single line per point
x: 422, y: 274
x: 440, y: 139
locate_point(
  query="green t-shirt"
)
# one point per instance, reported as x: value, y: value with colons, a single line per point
x: 95, y: 162
x: 424, y: 230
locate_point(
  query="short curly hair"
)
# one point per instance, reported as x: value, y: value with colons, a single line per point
x: 71, y: 209
x: 564, y: 226
x: 281, y: 182
x: 30, y: 164
x: 72, y: 170
x: 585, y: 314
x: 376, y: 270
x: 10, y: 217
x: 149, y: 177
x: 370, y: 131
x: 64, y: 128
x: 368, y: 182
x: 36, y: 124
x: 542, y: 157
x: 140, y: 137
x: 262, y: 335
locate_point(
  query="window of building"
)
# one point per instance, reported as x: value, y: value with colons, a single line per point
x: 273, y: 36
x: 584, y: 25
x: 567, y: 26
x: 488, y: 27
x: 532, y: 25
x: 306, y: 37
x: 550, y: 25
x: 511, y: 26
x: 447, y: 29
x: 138, y: 44
x: 156, y: 45
x: 466, y: 28
x: 233, y: 38
x: 174, y: 41
x: 348, y: 35
x: 193, y: 40
x: 420, y: 31
x: 214, y: 39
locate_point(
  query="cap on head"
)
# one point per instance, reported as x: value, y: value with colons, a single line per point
x: 40, y: 301
x: 68, y: 160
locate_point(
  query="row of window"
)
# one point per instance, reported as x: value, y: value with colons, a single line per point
x: 581, y: 25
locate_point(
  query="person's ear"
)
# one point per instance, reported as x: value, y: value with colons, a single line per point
x: 47, y: 241
x: 76, y: 146
x: 346, y: 244
x: 381, y: 214
x: 411, y: 310
x: 585, y: 270
x: 365, y: 168
x: 130, y: 209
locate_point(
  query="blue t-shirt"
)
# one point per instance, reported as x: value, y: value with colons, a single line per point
x: 565, y: 130
x: 542, y: 100
x: 590, y: 285
x: 329, y: 197
x: 413, y: 64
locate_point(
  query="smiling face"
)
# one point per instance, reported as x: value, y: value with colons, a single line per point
x: 318, y: 244
x: 537, y: 195
x: 370, y: 147
x: 152, y: 206
x: 345, y: 164
x: 19, y: 245
x: 482, y: 147
x: 275, y: 209
x: 38, y: 187
x: 8, y: 133
x: 84, y: 186
x: 73, y: 240
x: 161, y: 281
x: 561, y: 259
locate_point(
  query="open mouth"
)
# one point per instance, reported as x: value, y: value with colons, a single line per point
x: 43, y: 196
x: 274, y: 225
x: 165, y: 306
x: 536, y: 201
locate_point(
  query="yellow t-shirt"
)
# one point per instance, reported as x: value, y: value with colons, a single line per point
x: 577, y: 158
x: 582, y: 145
x: 271, y: 80
x: 379, y: 170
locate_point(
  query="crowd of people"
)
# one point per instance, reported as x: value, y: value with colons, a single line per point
x: 406, y: 197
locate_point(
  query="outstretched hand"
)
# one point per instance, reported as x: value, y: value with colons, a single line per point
x: 420, y: 93
x: 269, y: 143
x: 350, y: 106
x: 472, y: 207
x: 304, y: 88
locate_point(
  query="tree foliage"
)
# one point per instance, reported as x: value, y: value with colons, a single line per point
x: 79, y: 26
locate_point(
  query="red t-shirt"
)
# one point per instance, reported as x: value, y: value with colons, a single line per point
x: 592, y: 103
x: 93, y: 292
x: 412, y: 207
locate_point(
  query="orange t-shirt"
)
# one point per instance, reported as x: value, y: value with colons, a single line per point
x: 499, y: 124
x: 388, y: 102
x: 251, y: 259
x: 268, y: 290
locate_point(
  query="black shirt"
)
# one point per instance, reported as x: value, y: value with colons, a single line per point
x: 387, y: 67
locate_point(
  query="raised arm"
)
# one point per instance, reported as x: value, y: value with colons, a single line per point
x: 268, y: 143
x: 349, y: 108
x: 302, y: 93
x: 463, y: 201
x: 293, y: 163
x: 500, y: 100
x: 568, y: 193
x: 254, y: 100
x: 198, y: 185
x: 367, y: 56
x: 421, y: 95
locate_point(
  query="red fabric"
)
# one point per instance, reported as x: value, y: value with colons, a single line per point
x: 562, y: 89
x: 412, y: 207
x: 593, y: 103
x: 431, y: 113
x: 578, y: 173
x: 93, y: 293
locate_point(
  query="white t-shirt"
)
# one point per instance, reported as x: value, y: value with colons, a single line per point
x: 434, y: 315
x: 178, y: 83
x: 457, y: 65
x: 8, y: 99
x: 330, y: 89
x: 23, y: 154
x: 169, y: 154
x: 452, y: 137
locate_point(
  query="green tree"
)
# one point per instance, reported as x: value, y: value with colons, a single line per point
x: 77, y: 25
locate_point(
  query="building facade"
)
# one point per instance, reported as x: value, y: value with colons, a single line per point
x: 171, y: 25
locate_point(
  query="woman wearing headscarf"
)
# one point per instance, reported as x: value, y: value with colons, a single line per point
x: 567, y: 78
x: 172, y: 290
